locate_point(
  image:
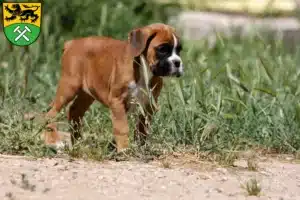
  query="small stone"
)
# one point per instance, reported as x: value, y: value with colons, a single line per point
x: 208, y: 190
x: 204, y: 177
x: 46, y: 190
x: 161, y: 176
x: 219, y: 190
x: 265, y: 173
x: 224, y: 178
x: 222, y: 170
x: 289, y: 158
x: 187, y: 173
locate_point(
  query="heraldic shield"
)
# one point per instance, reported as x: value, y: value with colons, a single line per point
x: 22, y: 22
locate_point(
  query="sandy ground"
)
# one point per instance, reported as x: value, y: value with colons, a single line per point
x: 26, y: 178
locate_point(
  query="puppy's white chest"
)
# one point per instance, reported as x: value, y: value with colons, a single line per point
x: 137, y: 95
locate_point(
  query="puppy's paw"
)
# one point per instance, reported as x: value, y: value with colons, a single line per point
x: 123, y: 155
x: 56, y: 139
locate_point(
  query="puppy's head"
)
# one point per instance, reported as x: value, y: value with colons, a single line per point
x: 161, y: 47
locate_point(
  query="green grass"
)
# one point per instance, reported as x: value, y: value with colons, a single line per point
x: 242, y: 94
x: 266, y: 8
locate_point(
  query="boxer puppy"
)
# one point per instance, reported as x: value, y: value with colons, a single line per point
x: 113, y: 73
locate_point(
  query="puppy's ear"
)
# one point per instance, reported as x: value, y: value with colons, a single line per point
x: 139, y: 39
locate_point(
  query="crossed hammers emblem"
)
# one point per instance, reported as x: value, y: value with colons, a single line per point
x: 22, y: 33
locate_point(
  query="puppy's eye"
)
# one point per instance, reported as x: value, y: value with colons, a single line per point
x: 165, y: 48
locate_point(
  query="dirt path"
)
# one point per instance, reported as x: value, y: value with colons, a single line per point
x: 45, y: 179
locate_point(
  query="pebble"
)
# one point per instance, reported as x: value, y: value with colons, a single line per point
x: 265, y: 173
x: 219, y: 190
x: 289, y: 158
x: 204, y: 176
x: 222, y: 170
x: 224, y: 178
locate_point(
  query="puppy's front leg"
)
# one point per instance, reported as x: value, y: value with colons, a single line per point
x: 144, y: 120
x: 120, y: 124
x: 141, y: 131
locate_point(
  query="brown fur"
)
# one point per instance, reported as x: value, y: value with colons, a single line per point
x: 101, y: 68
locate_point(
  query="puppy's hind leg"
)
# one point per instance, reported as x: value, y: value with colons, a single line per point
x: 67, y: 89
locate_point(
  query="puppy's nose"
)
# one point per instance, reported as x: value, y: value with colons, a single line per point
x: 177, y: 63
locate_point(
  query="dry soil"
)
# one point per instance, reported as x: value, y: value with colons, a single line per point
x: 23, y: 178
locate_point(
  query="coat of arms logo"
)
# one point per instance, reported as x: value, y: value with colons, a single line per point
x: 22, y: 22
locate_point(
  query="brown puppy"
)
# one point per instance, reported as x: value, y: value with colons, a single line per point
x: 110, y: 71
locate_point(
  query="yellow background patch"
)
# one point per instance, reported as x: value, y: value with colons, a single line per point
x: 17, y: 20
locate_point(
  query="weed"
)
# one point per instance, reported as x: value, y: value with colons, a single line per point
x: 252, y: 164
x: 166, y: 164
x: 252, y: 187
x: 226, y: 158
